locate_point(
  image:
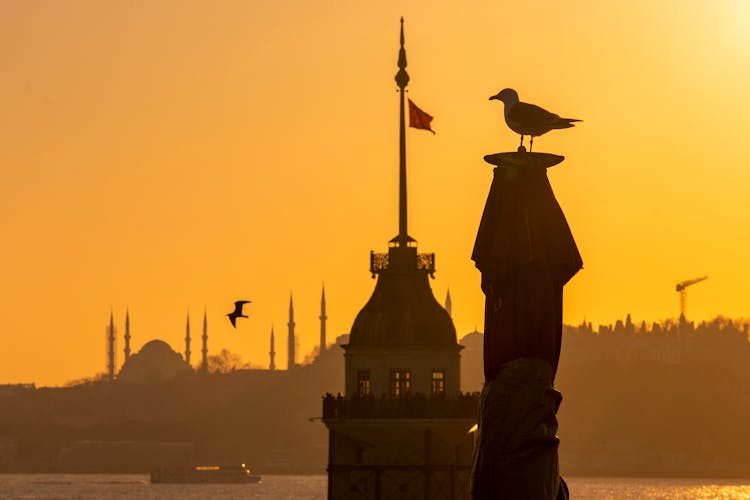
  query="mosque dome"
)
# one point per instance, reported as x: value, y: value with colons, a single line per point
x: 402, y: 310
x: 156, y: 361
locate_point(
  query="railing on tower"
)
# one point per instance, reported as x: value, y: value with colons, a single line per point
x: 379, y: 262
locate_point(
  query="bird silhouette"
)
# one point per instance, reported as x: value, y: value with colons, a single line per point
x: 529, y: 119
x: 237, y: 313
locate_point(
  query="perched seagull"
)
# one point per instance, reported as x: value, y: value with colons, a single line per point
x: 237, y: 313
x: 528, y: 119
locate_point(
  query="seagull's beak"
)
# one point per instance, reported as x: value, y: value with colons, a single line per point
x: 493, y: 97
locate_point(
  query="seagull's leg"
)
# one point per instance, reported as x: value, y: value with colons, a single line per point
x: 531, y: 143
x: 521, y: 142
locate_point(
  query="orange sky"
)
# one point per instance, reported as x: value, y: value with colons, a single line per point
x: 166, y: 156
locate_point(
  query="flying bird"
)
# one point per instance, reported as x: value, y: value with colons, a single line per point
x: 529, y: 119
x: 237, y: 313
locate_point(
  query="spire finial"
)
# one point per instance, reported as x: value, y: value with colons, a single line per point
x: 402, y: 77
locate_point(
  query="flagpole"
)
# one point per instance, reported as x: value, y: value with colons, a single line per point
x: 402, y: 79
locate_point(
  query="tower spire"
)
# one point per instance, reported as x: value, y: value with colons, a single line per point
x: 449, y: 303
x: 204, y: 350
x: 402, y: 79
x: 291, y: 339
x: 127, y: 334
x: 187, y: 339
x: 111, y: 347
x: 323, y: 318
x: 272, y: 364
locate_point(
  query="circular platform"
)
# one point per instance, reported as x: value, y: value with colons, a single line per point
x: 523, y: 159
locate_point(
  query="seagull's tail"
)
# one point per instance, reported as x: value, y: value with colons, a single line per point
x: 565, y: 122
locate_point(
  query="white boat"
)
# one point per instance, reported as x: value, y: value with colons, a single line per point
x: 204, y: 474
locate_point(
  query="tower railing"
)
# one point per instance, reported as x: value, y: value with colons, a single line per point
x: 463, y: 407
x: 379, y: 262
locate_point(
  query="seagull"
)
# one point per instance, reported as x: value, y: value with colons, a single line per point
x: 529, y: 119
x: 237, y: 313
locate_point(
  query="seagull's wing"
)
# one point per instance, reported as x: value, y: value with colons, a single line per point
x: 531, y: 114
x: 232, y: 318
x: 238, y: 306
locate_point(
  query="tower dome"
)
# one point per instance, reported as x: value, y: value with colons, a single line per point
x: 402, y: 310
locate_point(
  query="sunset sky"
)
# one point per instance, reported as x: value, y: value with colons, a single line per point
x: 168, y: 156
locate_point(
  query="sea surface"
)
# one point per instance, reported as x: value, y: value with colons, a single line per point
x: 128, y: 486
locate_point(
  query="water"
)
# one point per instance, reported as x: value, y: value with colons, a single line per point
x: 138, y: 486
x: 128, y: 486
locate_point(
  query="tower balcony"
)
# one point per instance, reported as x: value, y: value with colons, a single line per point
x: 409, y: 407
x: 402, y: 259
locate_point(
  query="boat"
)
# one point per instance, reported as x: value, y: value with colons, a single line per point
x: 204, y: 474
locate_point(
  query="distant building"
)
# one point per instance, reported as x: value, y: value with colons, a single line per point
x: 472, y: 361
x: 156, y: 361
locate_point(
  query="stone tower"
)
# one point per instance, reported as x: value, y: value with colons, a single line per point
x: 401, y: 430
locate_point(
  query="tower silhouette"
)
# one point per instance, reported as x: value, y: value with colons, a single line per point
x: 204, y: 350
x: 187, y: 339
x: 291, y: 339
x: 323, y: 317
x: 449, y: 303
x: 272, y: 353
x: 127, y: 334
x: 111, y: 347
x: 402, y: 343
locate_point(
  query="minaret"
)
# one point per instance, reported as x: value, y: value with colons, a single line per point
x: 272, y: 365
x: 449, y: 303
x: 127, y: 334
x: 111, y: 348
x: 291, y: 339
x: 323, y: 317
x: 204, y: 351
x: 187, y: 339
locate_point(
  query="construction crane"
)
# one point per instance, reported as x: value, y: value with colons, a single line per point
x: 681, y: 288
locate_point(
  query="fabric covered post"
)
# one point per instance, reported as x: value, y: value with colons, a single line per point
x: 526, y: 254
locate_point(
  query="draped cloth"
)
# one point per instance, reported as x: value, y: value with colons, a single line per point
x: 518, y: 459
x: 526, y: 254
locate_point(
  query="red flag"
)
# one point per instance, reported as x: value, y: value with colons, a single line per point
x: 418, y: 118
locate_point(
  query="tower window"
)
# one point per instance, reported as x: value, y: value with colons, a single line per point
x: 400, y: 383
x: 438, y: 383
x: 363, y: 383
